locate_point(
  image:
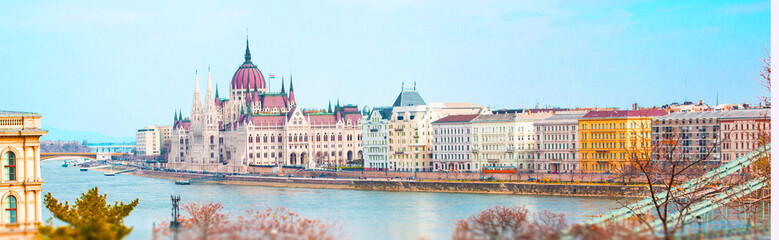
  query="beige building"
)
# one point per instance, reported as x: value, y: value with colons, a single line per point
x: 506, y: 141
x: 742, y: 131
x: 21, y: 180
x: 149, y: 140
x: 411, y: 131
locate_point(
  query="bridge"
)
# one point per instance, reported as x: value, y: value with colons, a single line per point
x: 708, y: 209
x: 63, y: 156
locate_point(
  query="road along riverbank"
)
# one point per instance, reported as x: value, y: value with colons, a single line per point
x: 486, y: 187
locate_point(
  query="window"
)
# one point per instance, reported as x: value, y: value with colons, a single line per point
x: 9, y: 166
x: 10, y: 209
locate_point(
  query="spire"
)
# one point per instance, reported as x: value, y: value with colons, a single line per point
x: 208, y: 86
x: 415, y: 85
x: 180, y: 117
x: 291, y: 90
x: 242, y: 112
x: 338, y: 103
x: 282, y: 84
x: 248, y: 55
x: 329, y: 107
x: 217, y: 91
x: 197, y: 83
x: 175, y: 117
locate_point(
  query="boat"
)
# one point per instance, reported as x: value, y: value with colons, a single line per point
x: 84, y: 169
x: 182, y: 182
x: 110, y: 173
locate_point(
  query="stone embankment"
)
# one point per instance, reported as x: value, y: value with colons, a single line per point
x: 557, y: 189
x: 602, y: 190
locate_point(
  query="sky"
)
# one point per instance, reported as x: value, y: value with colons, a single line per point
x: 115, y: 66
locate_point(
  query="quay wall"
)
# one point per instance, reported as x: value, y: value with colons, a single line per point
x: 568, y: 189
x: 507, y: 188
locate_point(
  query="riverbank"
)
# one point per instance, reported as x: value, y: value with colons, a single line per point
x: 516, y: 188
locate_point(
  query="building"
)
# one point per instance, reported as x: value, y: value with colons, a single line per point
x: 743, y: 131
x: 375, y: 129
x: 149, y: 141
x: 452, y: 143
x: 506, y: 141
x: 410, y: 129
x: 688, y: 135
x: 557, y: 138
x: 610, y: 139
x: 20, y: 180
x: 256, y: 127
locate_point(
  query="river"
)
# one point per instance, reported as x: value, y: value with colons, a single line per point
x: 363, y: 214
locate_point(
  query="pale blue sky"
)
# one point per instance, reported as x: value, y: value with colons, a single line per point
x: 112, y: 67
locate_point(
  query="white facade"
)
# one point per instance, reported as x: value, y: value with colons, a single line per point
x: 375, y: 129
x: 557, y: 142
x: 410, y: 136
x: 452, y: 143
x: 149, y: 140
x: 505, y: 140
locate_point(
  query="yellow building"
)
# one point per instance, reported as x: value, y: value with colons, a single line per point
x: 20, y: 174
x: 611, y: 139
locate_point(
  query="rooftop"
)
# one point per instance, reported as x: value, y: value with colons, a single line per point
x: 625, y: 113
x: 4, y: 113
x: 457, y: 118
x: 748, y: 113
x: 408, y: 97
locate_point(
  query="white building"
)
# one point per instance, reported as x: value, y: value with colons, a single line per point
x: 452, y: 143
x: 557, y: 142
x: 410, y: 136
x: 149, y: 140
x: 375, y: 129
x: 506, y: 140
x: 255, y: 127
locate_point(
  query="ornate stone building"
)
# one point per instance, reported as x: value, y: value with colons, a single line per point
x: 20, y: 175
x: 257, y: 127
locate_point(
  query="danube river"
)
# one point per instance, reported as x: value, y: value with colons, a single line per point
x: 363, y: 214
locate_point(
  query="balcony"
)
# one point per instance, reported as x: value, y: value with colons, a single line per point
x: 398, y: 129
x: 374, y: 130
x: 400, y: 152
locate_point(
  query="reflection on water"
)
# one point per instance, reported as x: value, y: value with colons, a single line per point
x: 363, y: 214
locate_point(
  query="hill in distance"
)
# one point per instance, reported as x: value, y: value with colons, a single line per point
x: 91, y: 137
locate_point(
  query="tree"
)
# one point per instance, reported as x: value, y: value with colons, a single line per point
x: 515, y: 222
x: 209, y: 221
x: 90, y: 218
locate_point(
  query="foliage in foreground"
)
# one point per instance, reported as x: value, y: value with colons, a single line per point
x: 209, y: 221
x: 89, y: 218
x: 516, y: 222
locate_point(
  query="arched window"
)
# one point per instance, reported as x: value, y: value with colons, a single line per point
x: 264, y: 138
x: 272, y: 138
x: 10, y: 209
x: 257, y: 138
x: 212, y: 139
x: 9, y: 166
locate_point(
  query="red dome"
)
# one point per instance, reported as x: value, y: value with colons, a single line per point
x: 248, y: 76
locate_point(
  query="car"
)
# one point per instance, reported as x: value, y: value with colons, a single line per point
x: 397, y: 177
x: 412, y: 178
x: 531, y: 179
x: 321, y: 175
x: 491, y: 178
x: 290, y: 175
